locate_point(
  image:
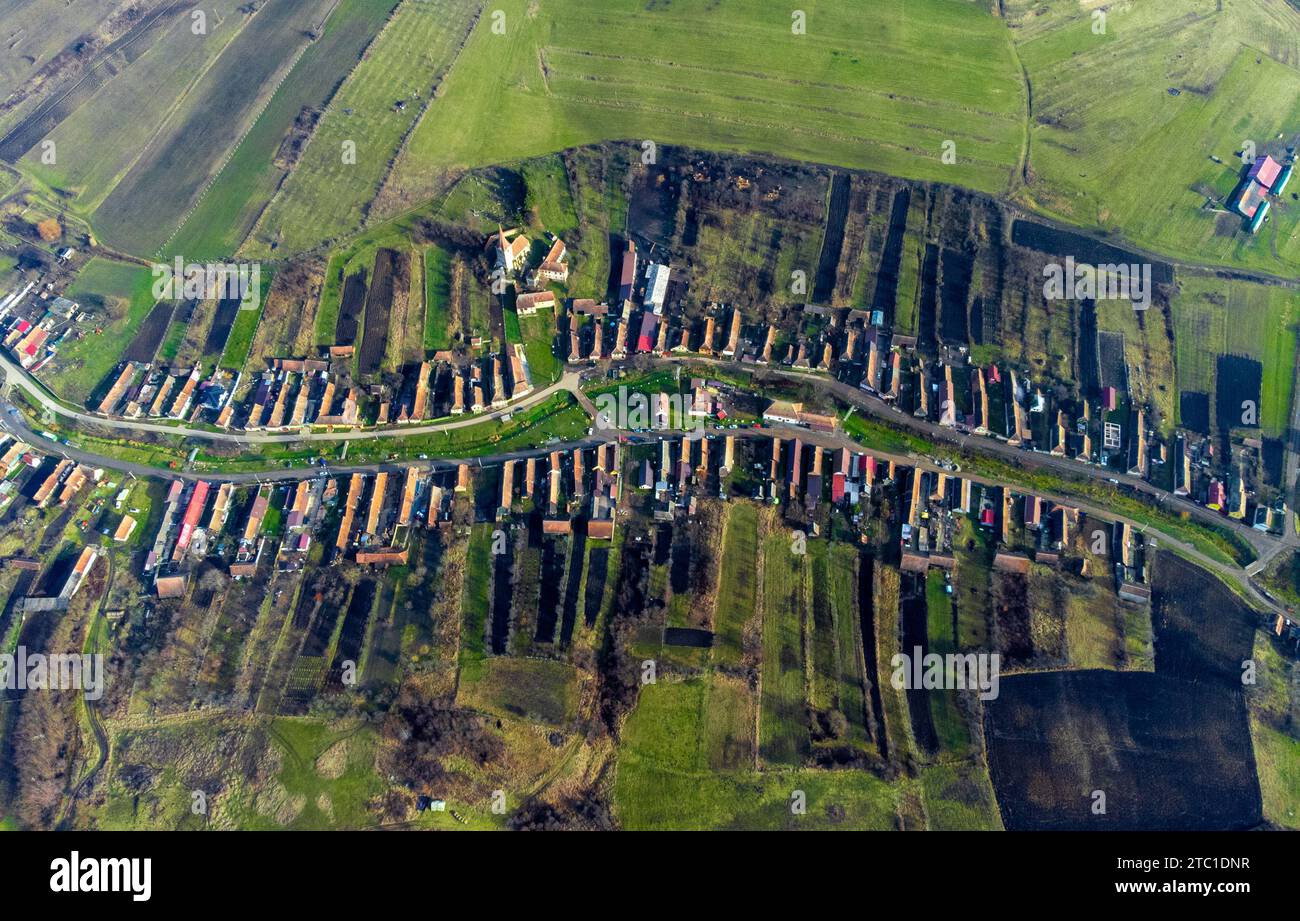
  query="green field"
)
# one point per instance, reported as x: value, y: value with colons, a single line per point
x: 1213, y: 317
x: 783, y: 723
x: 680, y: 767
x: 330, y: 193
x: 879, y: 86
x: 437, y: 299
x: 312, y: 775
x: 949, y: 723
x: 541, y: 690
x: 476, y: 593
x: 125, y: 293
x: 739, y: 575
x: 538, y: 333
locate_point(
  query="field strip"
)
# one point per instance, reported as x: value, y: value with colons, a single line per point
x: 429, y: 99
x: 747, y: 123
x: 234, y: 148
x: 873, y: 117
x: 768, y: 77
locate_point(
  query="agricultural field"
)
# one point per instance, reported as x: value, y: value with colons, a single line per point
x: 1214, y: 318
x: 274, y: 145
x: 99, y: 142
x: 365, y: 125
x: 199, y: 135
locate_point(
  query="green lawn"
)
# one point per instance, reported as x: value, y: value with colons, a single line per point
x: 437, y: 299
x: 783, y: 724
x: 680, y: 767
x: 736, y: 593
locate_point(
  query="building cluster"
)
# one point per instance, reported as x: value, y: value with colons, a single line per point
x: 573, y: 488
x: 34, y: 318
x: 1265, y: 181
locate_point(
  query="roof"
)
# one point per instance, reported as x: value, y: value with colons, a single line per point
x: 1265, y: 171
x: 170, y: 586
x: 1250, y: 198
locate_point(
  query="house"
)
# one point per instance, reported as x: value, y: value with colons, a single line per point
x: 1250, y: 199
x: 171, y: 586
x: 528, y: 304
x: 125, y: 529
x: 553, y: 267
x: 627, y: 275
x: 656, y: 287
x: 1216, y: 497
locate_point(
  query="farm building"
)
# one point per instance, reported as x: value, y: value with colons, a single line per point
x: 1265, y: 171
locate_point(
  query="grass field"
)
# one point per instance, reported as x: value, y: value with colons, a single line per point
x: 1274, y: 705
x: 328, y: 192
x: 783, y: 723
x: 949, y: 723
x: 1213, y: 317
x: 437, y: 299
x: 476, y: 592
x: 679, y: 767
x: 203, y: 130
x: 542, y: 690
x: 880, y: 86
x: 739, y: 576
x: 1102, y: 111
x: 125, y: 293
x: 314, y: 775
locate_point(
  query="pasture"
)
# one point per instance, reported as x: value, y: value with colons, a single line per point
x: 681, y: 765
x: 880, y: 86
x: 1113, y: 148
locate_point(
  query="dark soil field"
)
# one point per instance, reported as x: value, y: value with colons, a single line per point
x: 353, y: 633
x: 1194, y: 411
x: 1110, y: 354
x: 354, y: 301
x: 145, y: 342
x: 887, y: 277
x: 391, y: 268
x: 1170, y: 750
x: 597, y: 570
x: 833, y: 241
x: 1237, y: 380
x: 219, y: 332
x: 927, y: 331
x: 957, y: 268
x: 1045, y: 239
